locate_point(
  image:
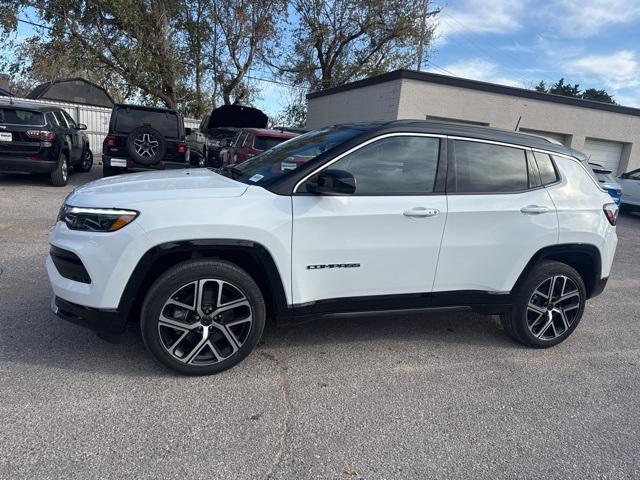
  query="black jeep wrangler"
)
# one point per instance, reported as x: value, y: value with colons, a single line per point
x: 42, y: 139
x: 144, y: 138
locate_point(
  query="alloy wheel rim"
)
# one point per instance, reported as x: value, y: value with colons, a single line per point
x: 86, y: 159
x: 64, y: 170
x: 553, y: 307
x: 205, y: 322
x: 146, y: 145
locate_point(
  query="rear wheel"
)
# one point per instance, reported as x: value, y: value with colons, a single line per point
x: 547, y: 307
x: 202, y: 317
x: 60, y: 176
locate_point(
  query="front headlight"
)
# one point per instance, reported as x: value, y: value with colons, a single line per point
x: 96, y: 219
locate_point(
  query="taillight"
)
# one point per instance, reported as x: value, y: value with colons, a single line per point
x: 611, y: 212
x: 110, y: 141
x: 182, y: 148
x: 42, y: 135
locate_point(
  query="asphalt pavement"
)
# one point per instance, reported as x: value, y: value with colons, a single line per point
x: 431, y: 396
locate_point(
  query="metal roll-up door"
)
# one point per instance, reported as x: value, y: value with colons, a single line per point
x: 603, y: 152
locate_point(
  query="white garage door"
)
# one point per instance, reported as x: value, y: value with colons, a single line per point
x: 557, y: 137
x: 604, y: 152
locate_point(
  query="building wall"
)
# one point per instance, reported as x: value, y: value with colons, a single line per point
x: 370, y: 103
x: 421, y: 99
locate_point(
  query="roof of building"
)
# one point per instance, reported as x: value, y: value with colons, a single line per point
x: 36, y: 107
x: 41, y: 92
x: 5, y: 93
x: 436, y: 78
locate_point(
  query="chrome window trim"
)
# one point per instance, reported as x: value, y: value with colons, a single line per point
x: 364, y: 144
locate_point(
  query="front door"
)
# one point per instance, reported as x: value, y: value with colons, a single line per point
x: 383, y: 240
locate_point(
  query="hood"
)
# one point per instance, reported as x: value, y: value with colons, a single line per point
x: 124, y: 191
x: 237, y: 116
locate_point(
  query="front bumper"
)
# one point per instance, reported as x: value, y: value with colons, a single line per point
x: 103, y: 321
x: 26, y: 164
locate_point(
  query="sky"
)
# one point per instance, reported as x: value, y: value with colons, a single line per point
x: 595, y: 43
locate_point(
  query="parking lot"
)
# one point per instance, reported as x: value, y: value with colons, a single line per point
x: 438, y: 396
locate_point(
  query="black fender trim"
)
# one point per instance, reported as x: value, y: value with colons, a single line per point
x: 203, y: 248
x: 561, y: 252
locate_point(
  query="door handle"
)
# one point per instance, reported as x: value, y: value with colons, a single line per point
x: 420, y: 212
x: 534, y: 209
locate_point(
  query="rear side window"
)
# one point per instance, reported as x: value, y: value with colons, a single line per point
x: 548, y: 173
x: 60, y: 119
x: 394, y: 166
x: 485, y: 168
x: 17, y: 116
x: 265, y: 143
x: 128, y: 119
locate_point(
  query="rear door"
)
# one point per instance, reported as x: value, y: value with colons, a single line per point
x: 381, y: 241
x: 499, y: 217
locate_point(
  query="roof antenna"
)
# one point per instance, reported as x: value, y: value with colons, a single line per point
x: 518, y: 124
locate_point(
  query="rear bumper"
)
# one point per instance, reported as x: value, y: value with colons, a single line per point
x: 110, y: 322
x: 598, y: 287
x: 133, y: 166
x: 25, y: 164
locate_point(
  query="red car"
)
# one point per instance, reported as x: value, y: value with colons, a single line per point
x: 249, y: 142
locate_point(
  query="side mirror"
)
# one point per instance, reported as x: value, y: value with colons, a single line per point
x: 188, y: 131
x: 82, y: 126
x: 333, y: 182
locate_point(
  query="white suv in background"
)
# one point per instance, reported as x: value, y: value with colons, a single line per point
x: 350, y: 219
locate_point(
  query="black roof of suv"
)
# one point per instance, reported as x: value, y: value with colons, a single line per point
x: 142, y: 138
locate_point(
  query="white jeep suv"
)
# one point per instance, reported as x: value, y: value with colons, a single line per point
x: 350, y: 219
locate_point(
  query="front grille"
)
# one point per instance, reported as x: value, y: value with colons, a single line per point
x: 69, y: 265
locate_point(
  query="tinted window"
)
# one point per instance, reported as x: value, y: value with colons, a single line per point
x: 60, y: 118
x: 16, y: 116
x: 395, y: 165
x: 547, y: 170
x: 265, y: 143
x: 486, y: 168
x: 165, y: 122
x: 635, y: 175
x: 70, y: 121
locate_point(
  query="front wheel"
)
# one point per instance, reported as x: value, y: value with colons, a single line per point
x: 202, y: 317
x: 547, y: 307
x: 86, y: 162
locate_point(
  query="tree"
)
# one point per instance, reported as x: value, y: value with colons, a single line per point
x: 597, y: 95
x: 337, y: 41
x: 248, y: 31
x: 568, y: 90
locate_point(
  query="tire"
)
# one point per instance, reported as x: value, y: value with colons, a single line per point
x: 146, y: 145
x: 202, y: 159
x: 60, y: 176
x: 86, y: 161
x: 178, y: 339
x: 537, y: 322
x: 109, y: 171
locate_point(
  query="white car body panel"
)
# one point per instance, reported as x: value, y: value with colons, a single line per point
x: 579, y: 200
x: 488, y: 241
x: 395, y: 253
x: 199, y: 205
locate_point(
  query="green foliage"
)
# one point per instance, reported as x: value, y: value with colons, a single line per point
x: 568, y: 90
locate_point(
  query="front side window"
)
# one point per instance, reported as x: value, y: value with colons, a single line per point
x: 70, y: 121
x: 393, y: 166
x: 486, y: 168
x: 286, y: 157
x: 60, y: 118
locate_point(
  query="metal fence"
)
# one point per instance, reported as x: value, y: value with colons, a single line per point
x: 95, y: 118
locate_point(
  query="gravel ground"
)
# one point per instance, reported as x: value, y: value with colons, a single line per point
x: 437, y: 396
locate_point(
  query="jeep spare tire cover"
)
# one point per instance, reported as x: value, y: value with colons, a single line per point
x: 237, y: 116
x: 146, y: 145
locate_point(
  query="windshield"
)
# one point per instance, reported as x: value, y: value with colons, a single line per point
x: 265, y: 143
x: 286, y: 157
x: 605, y: 177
